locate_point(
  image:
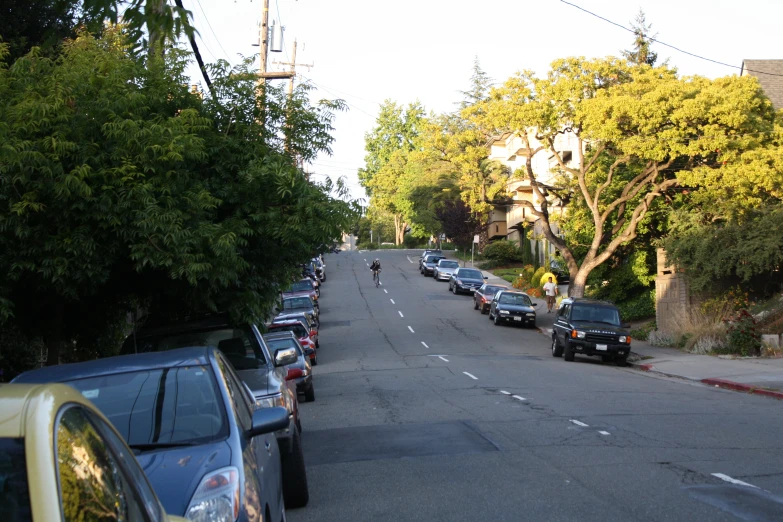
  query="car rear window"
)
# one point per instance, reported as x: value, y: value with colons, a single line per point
x: 492, y: 290
x: 167, y: 405
x: 448, y: 264
x: 297, y: 302
x: 14, y: 490
x: 297, y: 329
x: 301, y: 286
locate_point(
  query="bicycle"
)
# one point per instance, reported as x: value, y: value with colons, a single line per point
x: 376, y: 277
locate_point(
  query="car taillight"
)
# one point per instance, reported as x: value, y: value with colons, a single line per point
x: 312, y: 333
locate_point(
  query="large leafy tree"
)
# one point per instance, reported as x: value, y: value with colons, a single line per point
x: 637, y: 130
x: 121, y: 189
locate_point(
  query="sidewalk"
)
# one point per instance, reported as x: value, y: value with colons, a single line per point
x: 758, y: 376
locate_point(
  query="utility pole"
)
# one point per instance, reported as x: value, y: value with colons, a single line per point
x: 292, y: 70
x: 263, y: 74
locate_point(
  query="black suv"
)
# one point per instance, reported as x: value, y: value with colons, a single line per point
x: 590, y: 327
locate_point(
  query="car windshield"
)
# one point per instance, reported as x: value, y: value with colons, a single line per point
x: 448, y: 264
x: 241, y: 342
x: 296, y: 328
x: 297, y: 302
x: 596, y: 314
x: 14, y: 491
x: 471, y: 274
x: 277, y: 344
x: 492, y: 290
x: 301, y: 286
x: 514, y: 299
x: 162, y: 406
x: 433, y: 259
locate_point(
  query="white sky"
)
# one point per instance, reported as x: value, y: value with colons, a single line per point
x: 366, y: 51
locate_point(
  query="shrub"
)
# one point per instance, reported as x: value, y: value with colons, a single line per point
x: 527, y: 272
x: 491, y: 264
x: 545, y: 278
x: 504, y: 251
x: 534, y: 292
x: 411, y: 242
x: 640, y: 307
x: 743, y: 337
x: 643, y: 332
x: 520, y: 283
x: 535, y: 281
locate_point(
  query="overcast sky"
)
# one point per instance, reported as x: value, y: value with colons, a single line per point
x: 365, y: 51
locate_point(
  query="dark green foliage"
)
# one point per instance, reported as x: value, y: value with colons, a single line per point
x: 743, y: 336
x: 502, y: 251
x: 410, y: 241
x: 537, y: 257
x: 640, y: 307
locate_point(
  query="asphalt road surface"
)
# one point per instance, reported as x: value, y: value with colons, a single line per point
x: 425, y: 410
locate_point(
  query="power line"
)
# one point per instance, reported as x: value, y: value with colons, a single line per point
x: 206, y: 19
x: 337, y: 95
x: 665, y: 44
x: 280, y: 21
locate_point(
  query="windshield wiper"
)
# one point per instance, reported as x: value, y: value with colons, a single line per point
x: 156, y: 445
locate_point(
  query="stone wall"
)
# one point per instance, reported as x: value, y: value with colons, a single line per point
x: 672, y: 297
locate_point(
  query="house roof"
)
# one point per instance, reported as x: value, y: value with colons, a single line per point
x: 770, y: 76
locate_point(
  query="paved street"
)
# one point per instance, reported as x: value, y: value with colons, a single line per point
x: 427, y: 411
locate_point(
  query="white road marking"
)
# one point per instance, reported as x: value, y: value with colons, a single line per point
x: 409, y: 259
x: 733, y: 480
x: 365, y: 260
x: 411, y: 329
x: 385, y: 291
x: 517, y: 397
x: 504, y: 392
x: 400, y: 313
x: 392, y: 300
x: 442, y: 358
x: 604, y: 432
x: 471, y: 376
x: 425, y: 345
x: 578, y: 423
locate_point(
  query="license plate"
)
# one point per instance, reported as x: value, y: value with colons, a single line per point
x: 472, y: 289
x: 519, y: 319
x: 600, y: 347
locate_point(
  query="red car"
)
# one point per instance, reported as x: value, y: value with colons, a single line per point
x: 300, y: 332
x: 483, y: 296
x: 302, y: 288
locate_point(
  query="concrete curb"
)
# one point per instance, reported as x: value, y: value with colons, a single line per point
x: 720, y: 383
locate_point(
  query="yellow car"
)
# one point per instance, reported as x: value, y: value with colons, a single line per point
x: 61, y: 460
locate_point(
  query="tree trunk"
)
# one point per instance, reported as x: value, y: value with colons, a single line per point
x: 401, y: 233
x: 576, y: 288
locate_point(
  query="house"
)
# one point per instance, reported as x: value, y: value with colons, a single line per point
x: 514, y: 218
x: 770, y: 76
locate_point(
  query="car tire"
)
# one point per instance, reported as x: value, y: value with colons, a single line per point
x: 557, y: 350
x: 310, y: 394
x: 484, y: 311
x: 496, y: 320
x: 568, y: 352
x: 475, y: 306
x: 295, y: 491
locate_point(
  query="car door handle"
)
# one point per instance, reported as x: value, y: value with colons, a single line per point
x: 268, y: 447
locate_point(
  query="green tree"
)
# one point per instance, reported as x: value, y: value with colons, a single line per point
x: 480, y: 85
x: 641, y: 53
x: 636, y: 131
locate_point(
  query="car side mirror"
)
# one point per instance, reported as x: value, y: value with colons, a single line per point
x: 285, y: 356
x: 535, y: 304
x: 268, y: 420
x: 486, y: 277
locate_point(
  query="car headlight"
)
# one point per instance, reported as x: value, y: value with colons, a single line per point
x: 504, y: 311
x: 216, y: 498
x: 577, y: 334
x: 625, y: 339
x: 459, y: 282
x: 270, y: 401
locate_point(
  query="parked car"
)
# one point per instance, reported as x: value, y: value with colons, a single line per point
x: 428, y: 266
x: 483, y: 296
x: 301, y: 304
x: 444, y: 269
x: 302, y: 288
x: 193, y: 427
x: 263, y: 372
x: 466, y: 280
x: 57, y: 450
x: 425, y: 253
x: 510, y: 306
x: 306, y: 320
x: 561, y: 272
x: 590, y: 327
x: 320, y: 268
x: 304, y: 383
x: 297, y: 328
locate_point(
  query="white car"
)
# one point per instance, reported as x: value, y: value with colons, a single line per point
x: 444, y: 269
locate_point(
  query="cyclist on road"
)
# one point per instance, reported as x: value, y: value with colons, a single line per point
x: 376, y: 270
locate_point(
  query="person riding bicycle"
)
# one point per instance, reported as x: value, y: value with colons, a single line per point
x: 376, y: 269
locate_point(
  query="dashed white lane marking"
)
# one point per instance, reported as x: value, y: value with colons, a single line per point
x: 385, y: 291
x: 733, y: 480
x: 517, y: 397
x: 442, y: 358
x: 392, y: 300
x: 411, y: 329
x: 400, y: 313
x: 604, y: 432
x: 471, y: 376
x: 410, y: 260
x: 425, y: 345
x: 578, y: 423
x: 365, y: 260
x: 504, y: 392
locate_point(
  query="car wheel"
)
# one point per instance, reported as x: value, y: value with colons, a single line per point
x: 310, y: 394
x: 557, y: 350
x: 475, y: 306
x: 568, y: 352
x: 314, y: 361
x: 484, y: 310
x: 317, y: 344
x: 497, y: 320
x: 295, y: 491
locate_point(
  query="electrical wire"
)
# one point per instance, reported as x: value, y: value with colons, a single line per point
x: 338, y: 96
x: 667, y: 45
x: 206, y: 19
x: 280, y: 21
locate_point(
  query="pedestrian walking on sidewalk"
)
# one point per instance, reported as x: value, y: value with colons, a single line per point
x: 551, y: 294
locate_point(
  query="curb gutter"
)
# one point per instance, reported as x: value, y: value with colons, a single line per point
x: 720, y: 383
